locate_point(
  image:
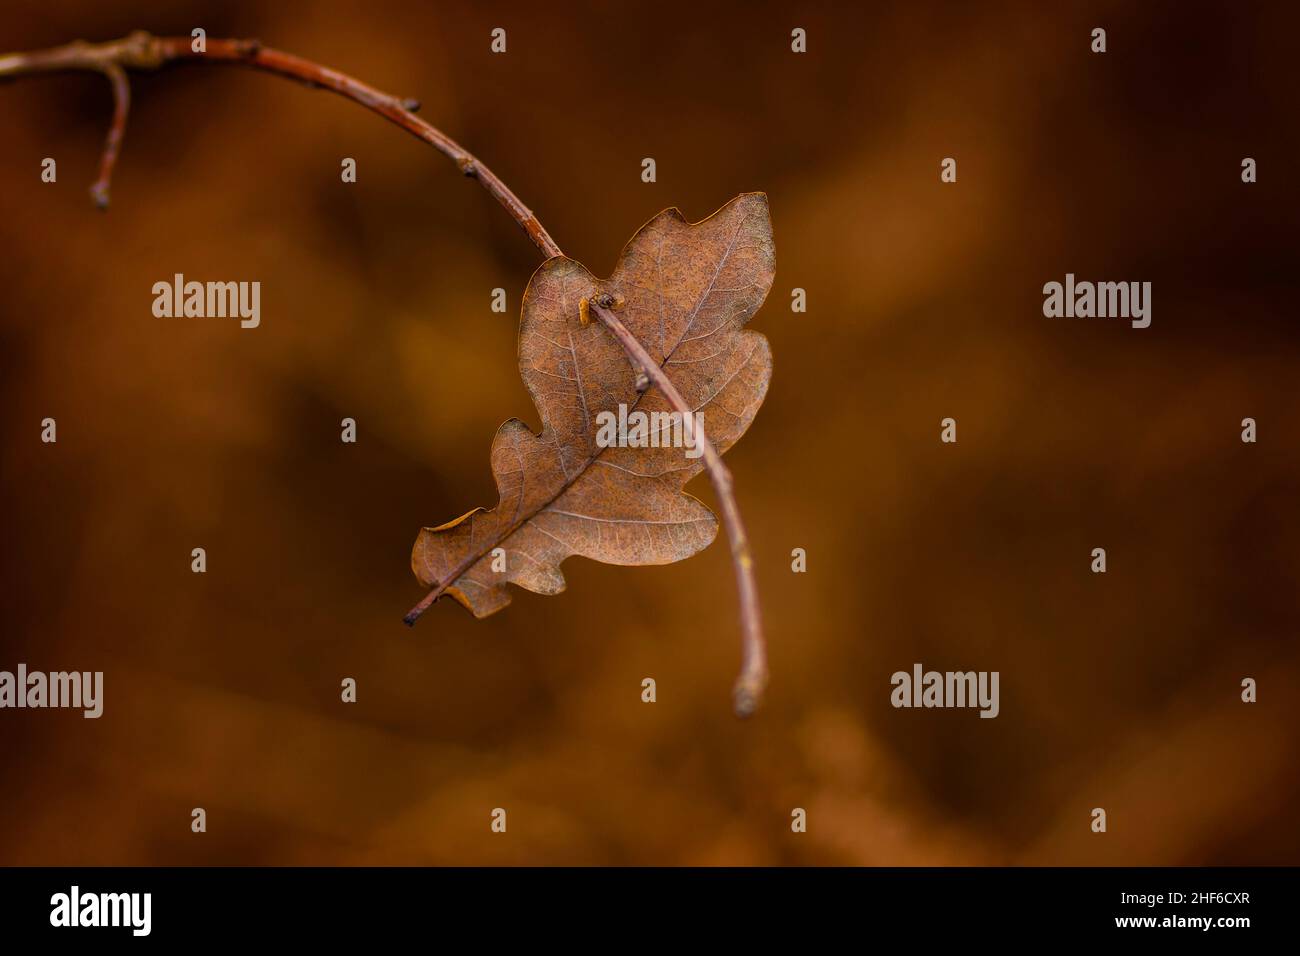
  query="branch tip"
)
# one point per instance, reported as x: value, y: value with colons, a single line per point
x: 743, y: 702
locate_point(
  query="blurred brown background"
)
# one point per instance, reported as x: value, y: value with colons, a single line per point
x: 222, y: 690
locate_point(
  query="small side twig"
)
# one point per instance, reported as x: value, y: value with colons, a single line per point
x: 113, y: 143
x: 143, y: 51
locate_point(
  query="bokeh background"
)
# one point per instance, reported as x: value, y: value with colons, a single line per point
x: 924, y: 301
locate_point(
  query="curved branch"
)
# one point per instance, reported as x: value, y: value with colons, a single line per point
x: 143, y: 51
x: 748, y: 690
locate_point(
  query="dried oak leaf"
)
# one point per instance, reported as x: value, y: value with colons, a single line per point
x: 687, y: 290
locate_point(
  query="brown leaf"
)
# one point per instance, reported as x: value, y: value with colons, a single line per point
x: 686, y: 291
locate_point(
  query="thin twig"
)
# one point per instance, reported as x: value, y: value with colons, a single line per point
x: 143, y: 51
x: 113, y: 142
x: 748, y: 690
